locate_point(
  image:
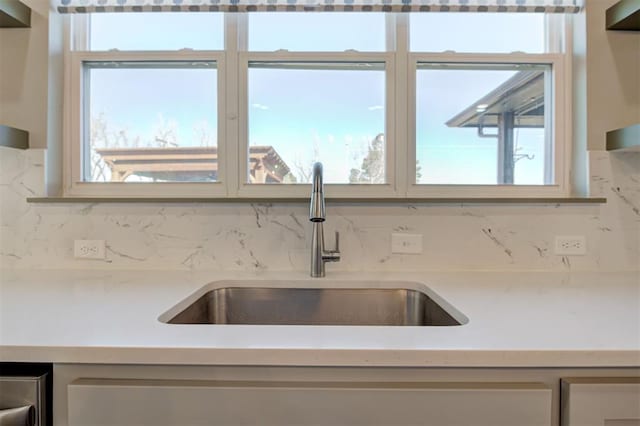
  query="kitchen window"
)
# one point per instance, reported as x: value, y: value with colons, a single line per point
x: 394, y: 105
x: 146, y: 107
x: 341, y: 112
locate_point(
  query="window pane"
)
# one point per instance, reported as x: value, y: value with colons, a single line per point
x: 316, y: 32
x: 157, y: 31
x: 150, y: 122
x: 477, y: 32
x: 481, y: 124
x: 300, y: 113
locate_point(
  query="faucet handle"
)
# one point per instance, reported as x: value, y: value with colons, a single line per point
x: 334, y: 255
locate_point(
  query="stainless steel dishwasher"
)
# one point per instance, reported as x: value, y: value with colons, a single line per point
x: 25, y: 394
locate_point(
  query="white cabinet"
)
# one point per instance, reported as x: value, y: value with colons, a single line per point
x: 211, y: 402
x: 127, y: 395
x: 590, y: 401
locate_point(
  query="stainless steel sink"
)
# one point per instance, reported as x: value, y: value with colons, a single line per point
x: 312, y: 306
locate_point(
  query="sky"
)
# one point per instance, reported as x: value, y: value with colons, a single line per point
x: 331, y: 114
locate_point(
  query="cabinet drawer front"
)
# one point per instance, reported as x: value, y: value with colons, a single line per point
x: 181, y: 402
x: 601, y: 401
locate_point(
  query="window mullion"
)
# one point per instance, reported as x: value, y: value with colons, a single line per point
x: 404, y: 158
x: 235, y: 40
x: 554, y: 34
x: 81, y: 32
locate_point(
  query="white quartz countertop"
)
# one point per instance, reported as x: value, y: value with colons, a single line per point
x: 515, y: 319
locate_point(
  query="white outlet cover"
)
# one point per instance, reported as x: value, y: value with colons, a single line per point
x: 89, y: 249
x: 406, y: 243
x: 571, y: 245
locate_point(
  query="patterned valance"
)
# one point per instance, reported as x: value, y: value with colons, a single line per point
x: 535, y: 6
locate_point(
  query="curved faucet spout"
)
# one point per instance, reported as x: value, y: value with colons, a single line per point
x: 317, y: 209
x: 317, y: 177
x: 319, y: 256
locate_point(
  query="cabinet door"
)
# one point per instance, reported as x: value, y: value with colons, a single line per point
x: 601, y: 401
x: 181, y: 402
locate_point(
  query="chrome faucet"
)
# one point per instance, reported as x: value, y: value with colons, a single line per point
x: 317, y: 216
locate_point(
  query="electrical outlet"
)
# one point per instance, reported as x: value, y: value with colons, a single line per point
x: 571, y: 245
x: 89, y: 249
x: 406, y: 243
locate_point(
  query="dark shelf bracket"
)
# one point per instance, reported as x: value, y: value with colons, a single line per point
x: 14, y: 138
x: 625, y: 139
x: 14, y: 14
x: 624, y: 16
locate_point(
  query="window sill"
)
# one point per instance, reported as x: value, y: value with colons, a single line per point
x: 163, y: 200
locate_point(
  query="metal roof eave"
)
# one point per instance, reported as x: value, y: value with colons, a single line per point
x: 522, y: 94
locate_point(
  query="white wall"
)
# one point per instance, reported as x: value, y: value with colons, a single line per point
x: 276, y: 237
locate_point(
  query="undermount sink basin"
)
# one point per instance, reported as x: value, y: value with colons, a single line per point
x: 349, y: 304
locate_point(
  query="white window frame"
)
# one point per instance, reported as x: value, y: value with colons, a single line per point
x: 74, y: 132
x: 386, y: 189
x: 555, y: 128
x: 400, y: 117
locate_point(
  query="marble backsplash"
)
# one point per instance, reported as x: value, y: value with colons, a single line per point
x: 255, y: 237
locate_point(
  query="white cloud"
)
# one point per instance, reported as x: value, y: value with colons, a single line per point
x: 375, y: 107
x: 260, y: 106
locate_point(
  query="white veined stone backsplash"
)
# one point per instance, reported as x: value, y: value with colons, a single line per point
x: 254, y: 237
